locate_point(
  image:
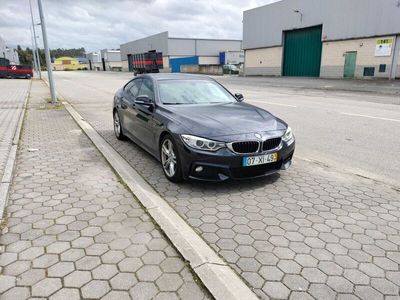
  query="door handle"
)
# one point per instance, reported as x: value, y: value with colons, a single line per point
x: 124, y: 103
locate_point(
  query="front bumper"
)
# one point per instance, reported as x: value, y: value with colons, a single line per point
x: 224, y: 164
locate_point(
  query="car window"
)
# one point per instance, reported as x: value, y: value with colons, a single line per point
x: 146, y: 89
x: 133, y: 87
x: 193, y: 92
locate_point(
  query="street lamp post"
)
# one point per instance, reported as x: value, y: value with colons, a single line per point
x: 34, y: 54
x: 47, y: 53
x: 35, y: 43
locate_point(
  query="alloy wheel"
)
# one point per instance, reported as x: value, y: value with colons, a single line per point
x: 117, y: 125
x: 168, y: 158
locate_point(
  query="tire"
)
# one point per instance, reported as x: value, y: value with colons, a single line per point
x: 119, y: 133
x: 174, y: 172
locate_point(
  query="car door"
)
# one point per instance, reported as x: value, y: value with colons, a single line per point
x: 144, y: 115
x: 128, y: 106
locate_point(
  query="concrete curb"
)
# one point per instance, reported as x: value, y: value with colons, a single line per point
x: 12, y: 155
x: 216, y: 275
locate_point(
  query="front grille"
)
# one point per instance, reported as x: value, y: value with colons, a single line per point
x: 254, y: 171
x: 245, y: 147
x: 271, y: 144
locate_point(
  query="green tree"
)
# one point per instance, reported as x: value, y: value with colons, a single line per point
x: 26, y: 55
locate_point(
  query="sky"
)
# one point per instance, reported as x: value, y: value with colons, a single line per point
x: 99, y: 24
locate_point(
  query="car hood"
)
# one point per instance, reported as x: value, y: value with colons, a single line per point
x: 226, y: 121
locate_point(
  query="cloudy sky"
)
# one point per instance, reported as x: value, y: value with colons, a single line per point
x: 99, y: 24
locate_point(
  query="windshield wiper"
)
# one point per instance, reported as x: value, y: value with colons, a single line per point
x: 173, y: 103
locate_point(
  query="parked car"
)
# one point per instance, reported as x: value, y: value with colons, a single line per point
x: 230, y: 69
x: 14, y: 71
x: 197, y: 129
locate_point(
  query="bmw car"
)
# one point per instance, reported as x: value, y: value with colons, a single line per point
x: 199, y: 130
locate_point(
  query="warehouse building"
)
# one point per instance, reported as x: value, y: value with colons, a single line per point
x: 8, y: 53
x: 111, y: 60
x: 326, y: 38
x: 94, y: 61
x: 178, y: 52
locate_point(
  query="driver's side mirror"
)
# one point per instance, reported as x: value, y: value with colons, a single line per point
x: 239, y: 97
x: 143, y: 100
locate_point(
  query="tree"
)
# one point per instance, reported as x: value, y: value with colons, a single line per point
x: 26, y: 56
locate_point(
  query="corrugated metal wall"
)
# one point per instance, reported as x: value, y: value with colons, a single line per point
x: 341, y: 19
x: 302, y: 52
x: 157, y: 42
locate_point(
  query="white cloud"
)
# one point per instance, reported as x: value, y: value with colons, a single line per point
x: 108, y: 23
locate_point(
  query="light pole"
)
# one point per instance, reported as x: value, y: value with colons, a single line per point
x: 300, y: 13
x: 35, y: 43
x: 34, y: 54
x: 47, y: 53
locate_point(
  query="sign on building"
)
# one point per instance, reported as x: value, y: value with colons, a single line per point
x: 383, y: 47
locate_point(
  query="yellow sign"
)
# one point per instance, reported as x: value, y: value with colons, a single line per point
x: 383, y: 47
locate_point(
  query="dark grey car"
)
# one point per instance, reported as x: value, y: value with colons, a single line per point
x: 199, y: 130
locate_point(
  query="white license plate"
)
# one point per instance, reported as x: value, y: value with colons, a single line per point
x: 260, y: 160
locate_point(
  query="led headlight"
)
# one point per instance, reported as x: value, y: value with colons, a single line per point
x: 288, y: 136
x: 201, y: 143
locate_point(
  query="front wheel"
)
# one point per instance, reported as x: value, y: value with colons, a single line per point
x: 118, y: 126
x: 170, y: 160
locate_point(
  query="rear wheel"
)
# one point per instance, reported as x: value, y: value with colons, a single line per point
x: 118, y: 126
x: 170, y: 160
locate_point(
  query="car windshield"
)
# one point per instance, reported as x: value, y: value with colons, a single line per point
x: 193, y: 92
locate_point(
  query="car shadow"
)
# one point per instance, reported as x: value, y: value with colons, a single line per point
x: 130, y: 151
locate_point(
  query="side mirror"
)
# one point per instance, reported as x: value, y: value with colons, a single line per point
x: 143, y: 100
x: 239, y: 97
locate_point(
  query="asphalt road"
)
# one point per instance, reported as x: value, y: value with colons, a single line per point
x: 355, y: 132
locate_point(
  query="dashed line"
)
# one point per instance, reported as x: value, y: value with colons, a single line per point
x: 273, y: 103
x: 371, y: 117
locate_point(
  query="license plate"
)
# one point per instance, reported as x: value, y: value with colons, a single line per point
x: 260, y: 160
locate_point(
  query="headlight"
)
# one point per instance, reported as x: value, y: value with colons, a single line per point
x: 288, y: 136
x: 201, y: 143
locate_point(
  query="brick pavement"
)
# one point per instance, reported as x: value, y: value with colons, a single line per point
x: 12, y: 96
x: 74, y: 231
x: 309, y: 233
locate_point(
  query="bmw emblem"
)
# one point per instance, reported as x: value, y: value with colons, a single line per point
x: 258, y: 135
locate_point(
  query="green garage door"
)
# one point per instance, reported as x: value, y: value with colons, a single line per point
x: 302, y: 52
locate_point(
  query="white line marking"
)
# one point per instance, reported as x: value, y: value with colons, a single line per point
x: 272, y: 103
x: 371, y: 117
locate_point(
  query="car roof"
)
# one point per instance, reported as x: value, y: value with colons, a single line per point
x: 175, y: 76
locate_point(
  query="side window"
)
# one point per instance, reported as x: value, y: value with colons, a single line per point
x: 133, y: 87
x: 147, y: 89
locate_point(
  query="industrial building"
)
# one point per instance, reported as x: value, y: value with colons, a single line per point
x: 8, y: 53
x: 94, y: 61
x: 179, y: 52
x: 111, y: 60
x: 105, y: 60
x: 323, y: 38
x: 67, y: 63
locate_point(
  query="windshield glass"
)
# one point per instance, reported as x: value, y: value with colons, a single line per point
x: 193, y: 92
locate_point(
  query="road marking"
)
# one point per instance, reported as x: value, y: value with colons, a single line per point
x: 371, y: 117
x: 272, y: 103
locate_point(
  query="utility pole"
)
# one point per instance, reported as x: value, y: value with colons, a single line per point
x: 35, y: 46
x: 47, y: 54
x: 34, y: 54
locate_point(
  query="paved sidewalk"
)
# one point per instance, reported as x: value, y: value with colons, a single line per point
x: 74, y: 231
x: 12, y: 96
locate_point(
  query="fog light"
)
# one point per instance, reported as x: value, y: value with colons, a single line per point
x: 199, y: 169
